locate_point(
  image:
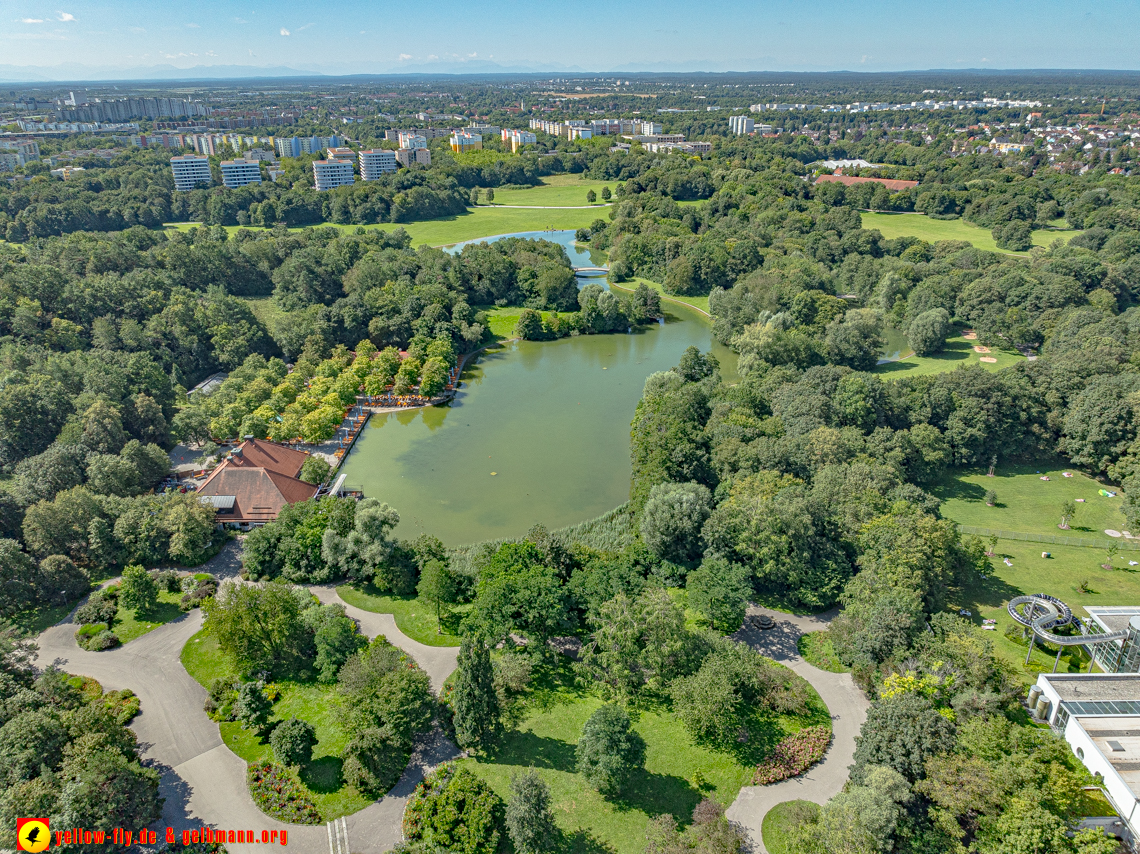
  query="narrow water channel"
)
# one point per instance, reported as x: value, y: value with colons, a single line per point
x: 539, y: 432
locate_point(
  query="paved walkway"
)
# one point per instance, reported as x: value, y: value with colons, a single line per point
x: 549, y: 207
x: 845, y: 701
x: 203, y: 781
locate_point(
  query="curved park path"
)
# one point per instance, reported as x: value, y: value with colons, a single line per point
x: 846, y: 703
x: 203, y: 781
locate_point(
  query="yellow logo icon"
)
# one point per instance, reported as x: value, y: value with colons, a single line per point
x: 32, y: 834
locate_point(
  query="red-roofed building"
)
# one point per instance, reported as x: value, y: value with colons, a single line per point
x: 255, y: 482
x: 891, y: 184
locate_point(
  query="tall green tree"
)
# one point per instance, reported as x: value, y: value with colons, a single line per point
x: 478, y: 717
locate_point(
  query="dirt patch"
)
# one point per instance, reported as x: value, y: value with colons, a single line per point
x: 978, y: 348
x: 969, y: 334
x: 986, y: 359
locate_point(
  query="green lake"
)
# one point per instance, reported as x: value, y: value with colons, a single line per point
x: 538, y: 432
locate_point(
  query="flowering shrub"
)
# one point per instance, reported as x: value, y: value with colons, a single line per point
x: 793, y: 755
x: 279, y: 795
x: 124, y: 705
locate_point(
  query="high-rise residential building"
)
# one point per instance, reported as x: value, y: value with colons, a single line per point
x: 287, y: 146
x: 462, y: 141
x: 332, y: 173
x: 341, y: 153
x: 518, y: 138
x: 374, y: 162
x: 741, y: 124
x: 190, y: 171
x: 408, y: 156
x: 650, y: 128
x: 411, y: 139
x: 238, y: 173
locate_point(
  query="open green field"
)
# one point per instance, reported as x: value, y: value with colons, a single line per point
x: 128, y: 627
x: 894, y: 225
x: 556, y: 191
x: 1073, y: 574
x: 1025, y: 503
x: 414, y: 617
x: 308, y: 701
x: 958, y: 351
x: 482, y: 221
x: 677, y: 774
x: 701, y: 304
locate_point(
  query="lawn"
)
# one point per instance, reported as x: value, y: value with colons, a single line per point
x: 414, y: 617
x: 555, y: 190
x: 782, y: 819
x: 677, y: 774
x: 308, y: 701
x: 128, y: 627
x: 265, y: 309
x: 699, y: 303
x: 894, y: 225
x: 1027, y: 504
x: 1073, y: 574
x: 958, y: 351
x: 482, y: 221
x: 502, y: 321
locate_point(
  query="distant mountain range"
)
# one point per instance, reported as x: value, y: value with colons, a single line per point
x: 71, y: 72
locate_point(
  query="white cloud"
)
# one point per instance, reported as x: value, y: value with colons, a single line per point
x: 64, y: 16
x: 193, y: 26
x: 284, y: 31
x: 299, y: 29
x: 432, y: 56
x: 210, y: 53
x: 136, y: 29
x: 240, y: 21
x: 31, y: 20
x: 251, y: 53
x: 405, y: 56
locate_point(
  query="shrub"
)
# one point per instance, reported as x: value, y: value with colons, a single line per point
x: 280, y: 796
x: 374, y: 761
x: 794, y: 755
x: 927, y: 332
x: 97, y: 609
x: 220, y: 700
x: 454, y: 810
x: 96, y: 637
x: 167, y: 580
x: 124, y: 705
x: 252, y: 706
x: 293, y: 742
x: 609, y: 750
x: 138, y: 590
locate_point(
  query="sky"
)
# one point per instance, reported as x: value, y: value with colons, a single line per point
x: 594, y: 35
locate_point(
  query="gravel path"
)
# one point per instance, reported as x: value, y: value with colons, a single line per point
x: 845, y: 701
x: 203, y: 782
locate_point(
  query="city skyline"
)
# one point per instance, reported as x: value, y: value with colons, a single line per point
x: 43, y: 41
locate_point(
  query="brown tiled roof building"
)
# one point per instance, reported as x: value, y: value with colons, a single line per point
x: 257, y: 480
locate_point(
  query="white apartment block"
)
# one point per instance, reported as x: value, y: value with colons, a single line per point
x: 238, y: 173
x: 408, y: 156
x: 190, y: 171
x: 374, y: 162
x: 328, y: 174
x: 412, y: 139
x: 741, y: 124
x: 341, y: 153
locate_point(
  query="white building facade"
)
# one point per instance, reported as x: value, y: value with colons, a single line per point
x: 374, y: 162
x: 328, y: 174
x: 190, y: 171
x: 238, y: 173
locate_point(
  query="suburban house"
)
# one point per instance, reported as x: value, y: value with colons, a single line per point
x: 255, y: 482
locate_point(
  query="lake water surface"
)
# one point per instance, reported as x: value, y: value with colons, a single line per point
x: 538, y: 432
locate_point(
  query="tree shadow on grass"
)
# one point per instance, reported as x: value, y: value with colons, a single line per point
x: 323, y: 776
x: 581, y: 842
x: 659, y: 794
x: 525, y: 749
x: 987, y: 593
x: 963, y: 490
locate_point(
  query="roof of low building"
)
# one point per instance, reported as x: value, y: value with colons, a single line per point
x: 253, y: 494
x: 1094, y: 687
x: 280, y: 459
